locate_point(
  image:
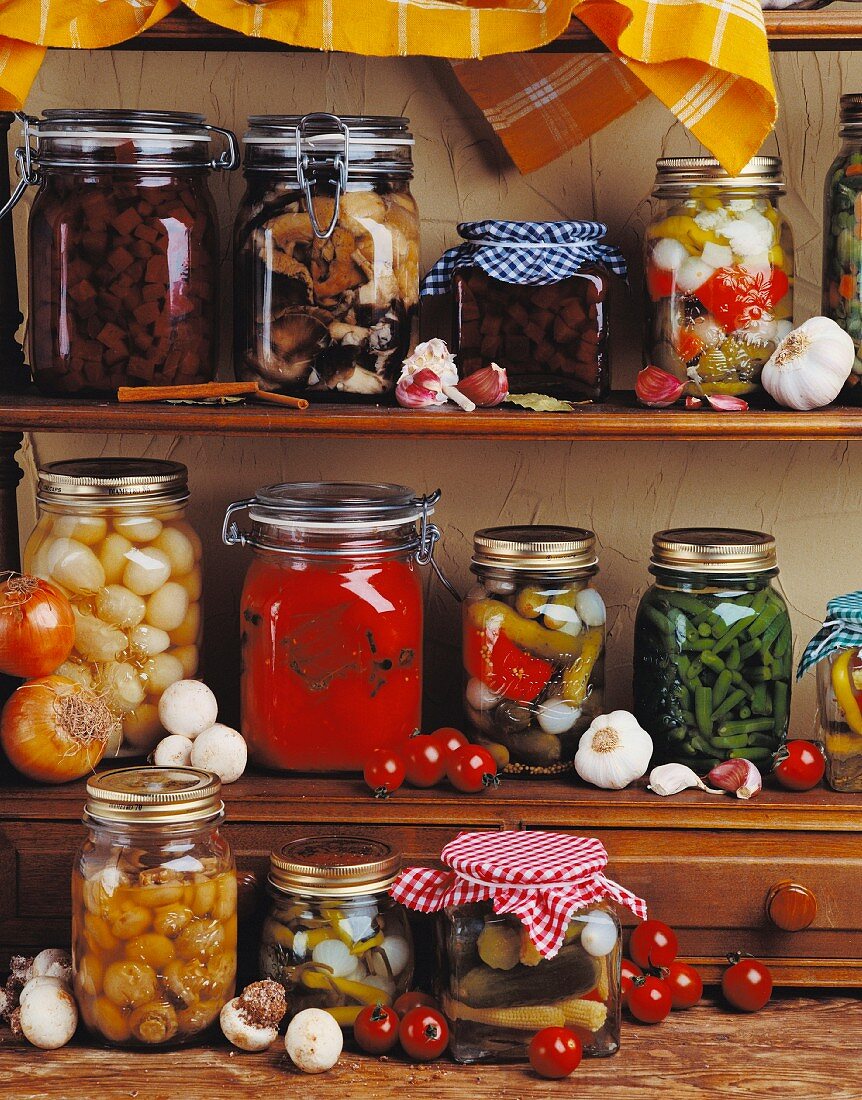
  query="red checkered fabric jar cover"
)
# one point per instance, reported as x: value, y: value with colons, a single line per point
x: 542, y: 878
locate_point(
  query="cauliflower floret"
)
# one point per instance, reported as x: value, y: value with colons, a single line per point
x: 713, y: 219
x: 747, y: 238
x: 741, y: 205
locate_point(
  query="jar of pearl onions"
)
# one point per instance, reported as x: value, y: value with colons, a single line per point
x: 112, y: 534
x: 154, y: 896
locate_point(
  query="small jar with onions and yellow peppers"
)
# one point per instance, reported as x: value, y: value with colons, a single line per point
x: 719, y: 273
x: 333, y: 937
x: 154, y: 900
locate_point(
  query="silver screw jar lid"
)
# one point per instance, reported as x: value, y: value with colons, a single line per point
x: 334, y: 866
x: 713, y: 550
x: 535, y: 548
x: 87, y: 481
x: 676, y: 176
x: 155, y: 796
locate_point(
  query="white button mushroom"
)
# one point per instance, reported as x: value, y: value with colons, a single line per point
x: 173, y: 752
x: 313, y: 1041
x: 250, y: 1021
x: 49, y: 1017
x: 188, y: 707
x: 167, y: 608
x: 146, y: 570
x: 221, y: 750
x: 37, y: 983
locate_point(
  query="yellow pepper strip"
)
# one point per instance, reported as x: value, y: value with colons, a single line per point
x: 525, y: 1018
x: 339, y: 924
x: 356, y: 991
x: 843, y: 688
x: 345, y: 1015
x: 319, y: 935
x: 576, y: 677
x: 580, y: 1013
x: 491, y: 616
x: 366, y: 945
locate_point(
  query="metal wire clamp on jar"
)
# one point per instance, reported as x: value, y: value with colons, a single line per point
x: 713, y: 652
x: 123, y: 247
x: 327, y: 255
x: 333, y: 936
x: 719, y: 273
x: 154, y: 897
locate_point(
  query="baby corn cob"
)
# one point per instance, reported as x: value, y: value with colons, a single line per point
x: 345, y: 1015
x: 577, y: 1012
x: 525, y: 1018
x: 603, y: 987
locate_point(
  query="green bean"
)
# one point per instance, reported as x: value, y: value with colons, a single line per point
x: 742, y: 684
x: 733, y: 632
x: 760, y: 699
x: 688, y: 717
x: 677, y: 733
x: 762, y: 740
x: 758, y: 675
x: 783, y: 641
x: 662, y: 622
x: 702, y: 745
x: 729, y: 703
x: 684, y: 695
x: 779, y: 707
x: 712, y: 662
x: 703, y: 630
x: 704, y: 764
x: 703, y: 709
x: 687, y: 749
x: 721, y: 686
x: 752, y: 725
x: 773, y: 630
x: 694, y: 670
x: 698, y: 645
x: 751, y: 754
x: 691, y: 605
x: 744, y: 712
x: 749, y: 649
x: 762, y: 621
x: 734, y: 741
x: 733, y: 660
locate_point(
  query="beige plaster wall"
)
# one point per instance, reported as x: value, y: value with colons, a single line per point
x: 809, y: 495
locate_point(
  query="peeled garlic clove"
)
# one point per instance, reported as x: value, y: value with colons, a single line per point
x: 672, y: 778
x: 739, y: 777
x: 591, y: 607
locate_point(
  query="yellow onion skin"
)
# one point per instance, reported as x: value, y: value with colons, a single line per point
x: 35, y: 740
x: 37, y: 627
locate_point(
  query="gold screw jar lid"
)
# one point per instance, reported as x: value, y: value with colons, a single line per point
x: 676, y: 176
x: 86, y: 481
x: 535, y: 548
x: 153, y: 796
x: 334, y: 866
x: 713, y: 550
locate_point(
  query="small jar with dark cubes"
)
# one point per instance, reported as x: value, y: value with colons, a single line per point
x: 123, y: 249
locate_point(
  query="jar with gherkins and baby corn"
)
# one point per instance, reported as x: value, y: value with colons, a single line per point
x: 713, y: 650
x: 333, y: 937
x: 719, y: 273
x: 533, y: 645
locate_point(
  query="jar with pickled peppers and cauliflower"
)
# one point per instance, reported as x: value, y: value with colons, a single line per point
x: 713, y: 651
x: 836, y: 650
x: 123, y: 248
x: 154, y: 899
x: 112, y: 534
x: 331, y: 621
x: 533, y: 643
x: 719, y: 273
x: 333, y: 937
x: 327, y: 255
x: 527, y: 938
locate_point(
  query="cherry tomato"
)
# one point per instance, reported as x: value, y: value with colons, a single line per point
x: 746, y: 984
x: 414, y: 999
x: 375, y: 1029
x: 449, y: 739
x: 800, y: 766
x: 629, y: 971
x: 652, y: 943
x: 649, y: 999
x: 384, y: 772
x: 555, y: 1052
x: 685, y: 984
x: 471, y: 769
x: 424, y: 1034
x: 426, y: 764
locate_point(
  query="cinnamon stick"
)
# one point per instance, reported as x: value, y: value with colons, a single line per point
x: 281, y: 399
x: 203, y: 391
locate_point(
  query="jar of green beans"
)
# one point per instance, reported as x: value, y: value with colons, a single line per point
x: 713, y: 652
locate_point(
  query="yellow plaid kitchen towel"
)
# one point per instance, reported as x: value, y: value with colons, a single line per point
x: 707, y: 60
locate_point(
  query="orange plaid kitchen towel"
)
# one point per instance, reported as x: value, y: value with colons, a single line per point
x: 707, y: 60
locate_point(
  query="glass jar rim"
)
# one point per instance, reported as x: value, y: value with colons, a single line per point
x: 713, y: 551
x: 82, y: 482
x: 676, y: 176
x: 334, y: 866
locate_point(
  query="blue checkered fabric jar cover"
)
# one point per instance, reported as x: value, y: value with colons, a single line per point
x: 529, y: 253
x: 842, y: 629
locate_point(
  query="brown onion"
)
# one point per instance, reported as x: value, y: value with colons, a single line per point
x: 37, y: 627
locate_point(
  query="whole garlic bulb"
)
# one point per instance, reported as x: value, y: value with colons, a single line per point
x: 613, y: 751
x: 810, y: 365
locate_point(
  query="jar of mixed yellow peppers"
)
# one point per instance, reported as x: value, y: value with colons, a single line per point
x: 333, y: 936
x: 719, y: 273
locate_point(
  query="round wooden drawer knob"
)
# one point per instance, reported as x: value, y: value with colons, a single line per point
x: 790, y: 906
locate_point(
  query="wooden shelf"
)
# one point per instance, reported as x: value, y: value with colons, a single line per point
x: 827, y: 29
x: 620, y: 418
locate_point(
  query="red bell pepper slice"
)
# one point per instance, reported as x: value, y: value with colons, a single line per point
x: 660, y: 282
x: 736, y: 297
x: 502, y: 667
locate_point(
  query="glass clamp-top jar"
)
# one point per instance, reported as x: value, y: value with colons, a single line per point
x: 527, y: 938
x: 331, y: 621
x: 327, y: 255
x: 333, y: 936
x: 713, y: 650
x: 719, y: 272
x: 533, y: 645
x: 154, y: 896
x: 112, y: 534
x: 123, y: 248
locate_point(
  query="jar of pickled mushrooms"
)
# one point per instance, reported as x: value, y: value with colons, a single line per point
x: 327, y: 255
x: 112, y: 534
x: 154, y: 895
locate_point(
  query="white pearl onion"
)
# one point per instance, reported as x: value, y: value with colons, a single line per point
x: 167, y: 607
x: 179, y: 550
x: 480, y: 697
x: 149, y: 639
x: 142, y: 728
x: 95, y: 640
x: 188, y: 657
x: 599, y: 935
x: 557, y: 716
x: 146, y: 570
x: 123, y: 686
x: 591, y: 607
x: 160, y: 672
x: 397, y: 951
x: 75, y: 566
x: 139, y: 528
x: 113, y: 557
x: 193, y: 584
x: 87, y: 529
x: 79, y: 673
x: 119, y: 606
x: 189, y: 629
x: 335, y: 954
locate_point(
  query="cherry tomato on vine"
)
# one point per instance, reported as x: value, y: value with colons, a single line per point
x: 414, y: 999
x: 629, y: 971
x: 685, y: 984
x: 450, y: 740
x: 555, y: 1052
x: 800, y: 766
x: 471, y: 769
x: 425, y: 761
x: 375, y: 1029
x: 424, y: 1034
x: 649, y: 999
x: 384, y: 772
x: 653, y: 943
x: 746, y: 984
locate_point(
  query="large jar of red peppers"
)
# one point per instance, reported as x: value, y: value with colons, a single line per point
x: 327, y: 255
x: 719, y: 273
x: 331, y: 621
x: 123, y: 248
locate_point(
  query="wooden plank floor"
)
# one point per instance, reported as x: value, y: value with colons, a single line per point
x: 796, y: 1049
